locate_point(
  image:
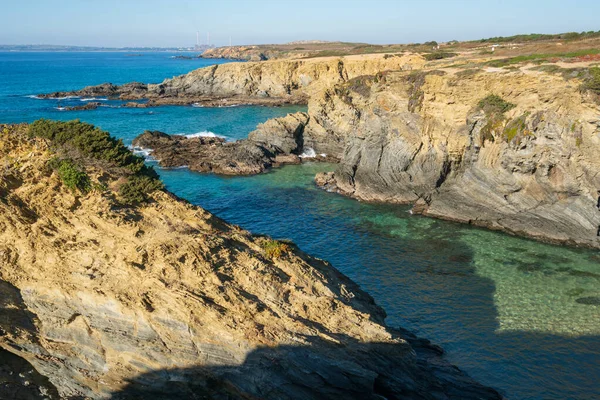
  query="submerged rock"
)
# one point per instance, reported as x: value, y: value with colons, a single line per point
x: 590, y: 301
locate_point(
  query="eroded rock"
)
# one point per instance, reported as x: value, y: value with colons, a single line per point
x: 165, y: 300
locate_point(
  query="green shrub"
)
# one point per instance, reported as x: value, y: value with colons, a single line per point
x: 71, y: 175
x: 91, y: 142
x: 516, y: 129
x: 88, y: 145
x: 592, y: 82
x: 275, y: 249
x: 439, y: 55
x: 137, y: 189
x: 494, y: 104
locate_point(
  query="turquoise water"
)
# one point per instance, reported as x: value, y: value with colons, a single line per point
x: 515, y: 314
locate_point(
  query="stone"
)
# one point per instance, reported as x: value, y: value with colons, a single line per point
x: 165, y: 300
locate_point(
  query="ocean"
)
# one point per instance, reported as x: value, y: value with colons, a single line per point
x: 517, y: 315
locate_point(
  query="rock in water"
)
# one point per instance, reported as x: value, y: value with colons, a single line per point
x: 164, y: 300
x: 276, y: 142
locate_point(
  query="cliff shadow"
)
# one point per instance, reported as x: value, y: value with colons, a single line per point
x: 19, y: 380
x: 322, y: 370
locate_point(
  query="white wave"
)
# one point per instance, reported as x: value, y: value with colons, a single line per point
x: 34, y: 96
x: 93, y: 99
x: 171, y: 168
x: 204, y: 134
x: 308, y: 153
x: 323, y: 155
x: 60, y: 108
x: 198, y: 105
x: 141, y: 151
x: 67, y: 97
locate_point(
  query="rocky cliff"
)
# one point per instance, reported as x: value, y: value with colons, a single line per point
x: 163, y: 300
x: 246, y: 53
x: 516, y: 150
x: 266, y: 83
x: 511, y: 149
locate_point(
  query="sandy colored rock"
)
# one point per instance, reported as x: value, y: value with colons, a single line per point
x: 165, y: 300
x: 263, y: 83
x: 420, y: 137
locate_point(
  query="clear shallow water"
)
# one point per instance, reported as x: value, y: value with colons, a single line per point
x: 509, y: 311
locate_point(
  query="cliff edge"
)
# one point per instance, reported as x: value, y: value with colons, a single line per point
x: 112, y: 287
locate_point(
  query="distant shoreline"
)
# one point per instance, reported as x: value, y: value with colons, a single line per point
x: 4, y: 50
x: 74, y: 49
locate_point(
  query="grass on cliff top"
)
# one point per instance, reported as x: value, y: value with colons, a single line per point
x: 540, y: 58
x: 438, y: 55
x: 534, y: 37
x: 80, y: 145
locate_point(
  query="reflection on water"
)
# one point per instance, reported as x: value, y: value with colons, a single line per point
x: 518, y: 315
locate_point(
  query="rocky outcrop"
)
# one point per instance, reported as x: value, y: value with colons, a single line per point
x: 103, y: 90
x: 425, y: 138
x: 91, y: 105
x: 164, y: 300
x: 283, y: 135
x: 263, y: 83
x: 278, y: 141
x: 205, y: 154
x: 246, y: 53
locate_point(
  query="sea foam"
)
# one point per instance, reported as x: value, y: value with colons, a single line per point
x: 308, y: 153
x: 204, y: 134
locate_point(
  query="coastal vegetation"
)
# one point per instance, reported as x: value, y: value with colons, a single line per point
x: 275, y: 249
x: 71, y: 175
x: 494, y: 108
x: 79, y: 146
x: 542, y: 57
x: 438, y: 55
x: 592, y: 81
x: 534, y: 37
x: 494, y: 104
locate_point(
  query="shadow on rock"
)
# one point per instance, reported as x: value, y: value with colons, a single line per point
x: 323, y: 370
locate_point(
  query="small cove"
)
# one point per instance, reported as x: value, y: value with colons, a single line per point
x: 518, y: 315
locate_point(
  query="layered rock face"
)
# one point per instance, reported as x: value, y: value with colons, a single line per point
x: 424, y: 138
x: 164, y: 300
x: 265, y: 83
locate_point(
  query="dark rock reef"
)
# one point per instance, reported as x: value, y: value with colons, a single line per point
x: 274, y: 143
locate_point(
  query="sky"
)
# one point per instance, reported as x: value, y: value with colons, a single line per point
x: 174, y: 23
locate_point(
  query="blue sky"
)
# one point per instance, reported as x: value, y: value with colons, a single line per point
x: 175, y: 22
